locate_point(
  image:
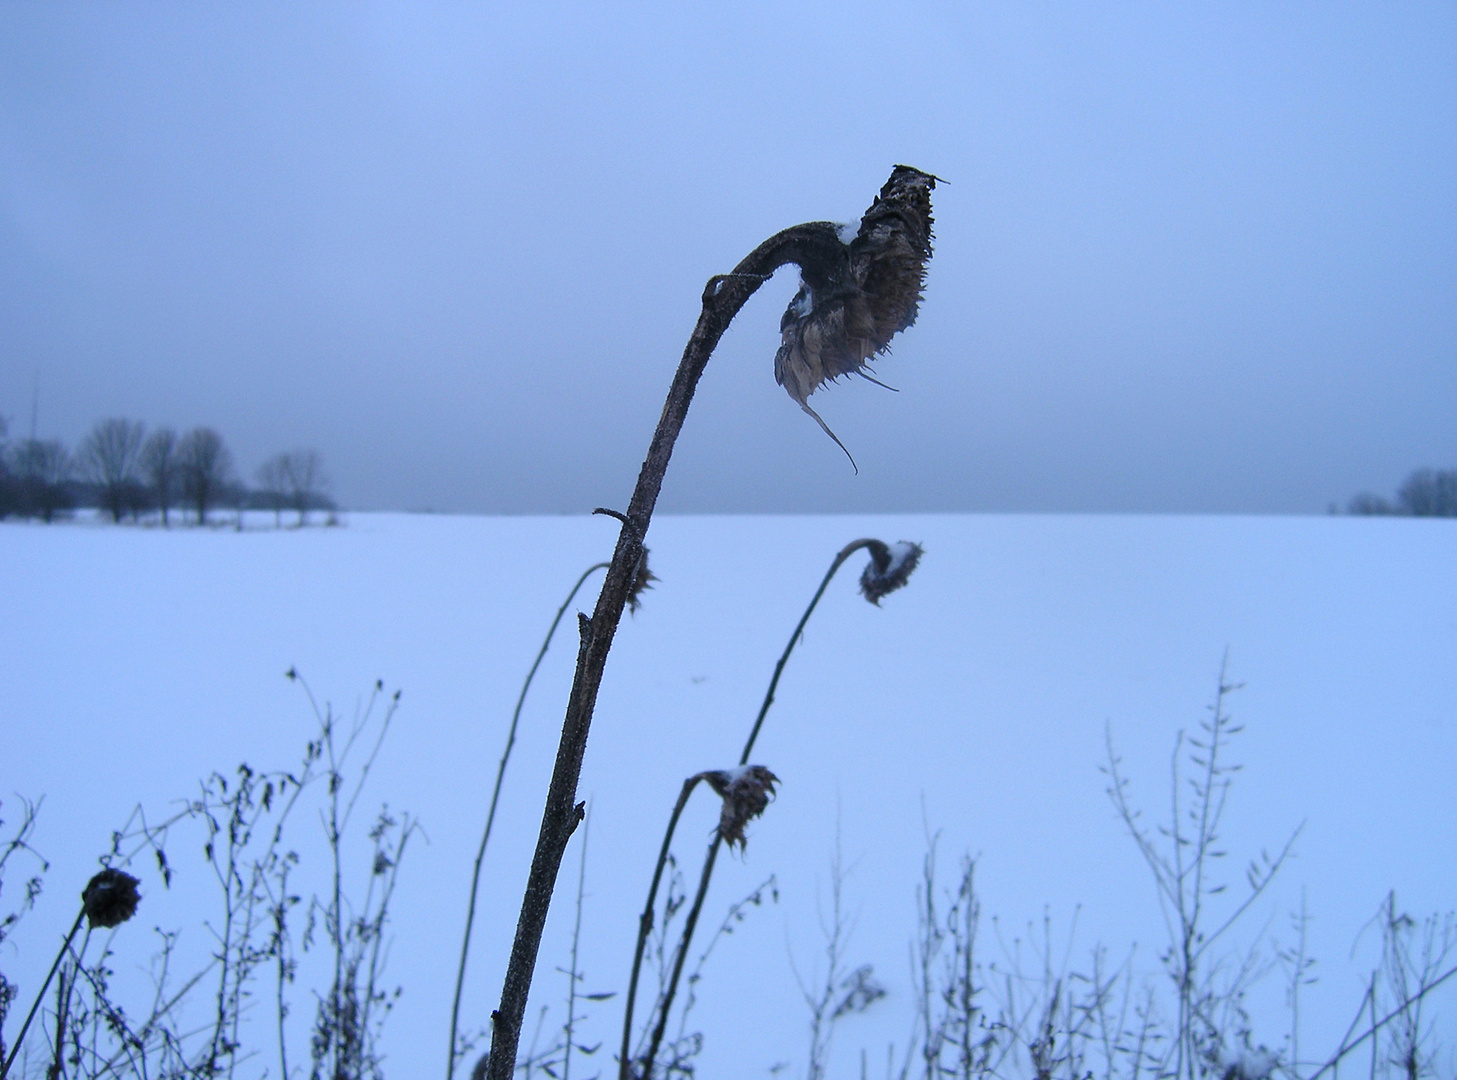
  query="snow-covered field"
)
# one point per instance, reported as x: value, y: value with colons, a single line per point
x: 974, y: 701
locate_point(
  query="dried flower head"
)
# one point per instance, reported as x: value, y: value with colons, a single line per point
x: 642, y: 580
x: 889, y: 568
x: 858, y: 292
x: 745, y: 791
x: 110, y: 898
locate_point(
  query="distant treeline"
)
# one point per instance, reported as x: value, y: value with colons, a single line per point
x: 1426, y: 493
x: 121, y: 469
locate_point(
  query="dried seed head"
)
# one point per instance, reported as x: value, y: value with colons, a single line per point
x: 889, y: 568
x: 110, y: 898
x: 642, y: 580
x: 859, y: 292
x: 745, y: 791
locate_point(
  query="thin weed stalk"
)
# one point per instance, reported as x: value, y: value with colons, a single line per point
x: 1182, y: 875
x: 665, y: 1005
x: 880, y: 551
x: 874, y: 584
x: 645, y: 926
x: 1349, y: 1044
x: 470, y: 915
x: 40, y: 996
x: 1408, y: 975
x: 736, y: 914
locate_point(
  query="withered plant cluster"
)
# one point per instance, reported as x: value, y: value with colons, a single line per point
x: 203, y: 1020
x: 980, y: 1014
x: 1020, y: 1008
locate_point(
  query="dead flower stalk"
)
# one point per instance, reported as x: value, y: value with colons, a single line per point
x: 874, y: 284
x: 109, y: 899
x: 890, y: 567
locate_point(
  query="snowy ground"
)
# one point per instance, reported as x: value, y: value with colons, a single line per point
x: 138, y: 660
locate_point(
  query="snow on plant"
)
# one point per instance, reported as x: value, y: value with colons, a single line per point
x: 865, y: 292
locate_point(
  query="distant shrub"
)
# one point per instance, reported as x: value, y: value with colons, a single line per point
x: 1368, y: 505
x: 1429, y: 493
x: 1425, y: 493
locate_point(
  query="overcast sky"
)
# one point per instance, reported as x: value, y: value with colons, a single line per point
x: 1189, y: 258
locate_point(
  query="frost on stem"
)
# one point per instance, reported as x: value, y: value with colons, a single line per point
x: 745, y: 791
x: 890, y: 567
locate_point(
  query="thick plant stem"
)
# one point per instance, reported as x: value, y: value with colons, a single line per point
x: 475, y: 881
x: 723, y: 298
x: 691, y: 923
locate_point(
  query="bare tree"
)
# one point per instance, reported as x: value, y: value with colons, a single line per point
x: 42, y: 468
x: 109, y: 457
x: 1429, y: 493
x: 1365, y: 504
x: 303, y: 469
x: 205, y: 466
x: 10, y: 501
x: 160, y: 466
x: 273, y: 486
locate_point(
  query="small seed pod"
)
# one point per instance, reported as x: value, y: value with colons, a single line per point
x: 642, y: 580
x: 889, y: 568
x: 745, y: 791
x: 110, y: 898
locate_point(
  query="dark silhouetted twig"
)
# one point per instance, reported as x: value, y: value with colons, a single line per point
x: 475, y: 881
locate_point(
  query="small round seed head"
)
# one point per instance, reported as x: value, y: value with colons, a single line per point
x: 110, y: 898
x: 889, y: 568
x: 745, y: 792
x: 642, y: 580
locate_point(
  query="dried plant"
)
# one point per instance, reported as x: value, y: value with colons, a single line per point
x: 457, y: 1050
x: 746, y: 791
x: 1415, y: 961
x: 642, y: 580
x: 887, y: 562
x: 243, y: 817
x: 841, y: 992
x: 904, y: 555
x: 857, y: 291
x: 109, y: 899
x: 1208, y: 1020
x: 18, y: 844
x: 890, y: 567
x: 1032, y: 1013
x: 880, y: 274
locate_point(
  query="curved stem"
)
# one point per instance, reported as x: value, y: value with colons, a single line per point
x: 682, y: 955
x: 20, y: 1038
x: 475, y: 881
x: 645, y: 926
x: 877, y: 550
x: 845, y: 553
x: 723, y: 298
